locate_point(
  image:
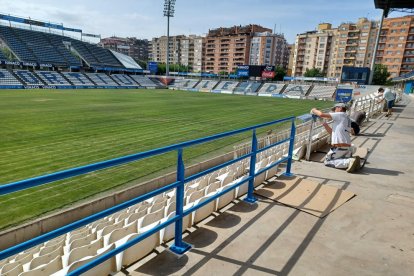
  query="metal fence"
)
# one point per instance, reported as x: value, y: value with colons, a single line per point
x: 179, y: 245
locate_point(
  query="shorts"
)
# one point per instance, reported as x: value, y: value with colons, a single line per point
x: 355, y: 127
x: 390, y: 104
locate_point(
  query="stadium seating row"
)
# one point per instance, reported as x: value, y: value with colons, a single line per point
x: 65, y: 253
x: 24, y: 77
x: 41, y: 47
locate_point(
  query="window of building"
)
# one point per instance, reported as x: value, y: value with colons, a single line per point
x: 362, y: 48
x: 308, y: 51
x: 322, y: 39
x: 364, y: 34
x: 399, y: 45
x: 365, y: 27
x: 363, y: 41
x: 344, y: 35
x: 341, y: 49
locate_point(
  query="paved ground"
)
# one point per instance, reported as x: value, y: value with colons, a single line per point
x: 372, y: 234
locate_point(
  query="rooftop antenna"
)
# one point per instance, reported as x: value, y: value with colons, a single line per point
x: 274, y: 29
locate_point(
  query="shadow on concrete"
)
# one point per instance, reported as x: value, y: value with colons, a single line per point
x: 368, y: 171
x: 201, y: 237
x: 166, y: 263
x: 225, y: 220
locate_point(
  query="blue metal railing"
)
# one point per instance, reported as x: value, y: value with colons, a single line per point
x: 179, y: 246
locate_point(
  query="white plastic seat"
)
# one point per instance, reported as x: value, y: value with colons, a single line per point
x: 213, y: 187
x: 77, y: 254
x: 11, y: 269
x: 49, y: 249
x: 109, y: 229
x: 45, y: 259
x: 101, y: 225
x: 118, y: 234
x: 194, y: 196
x: 157, y: 206
x: 242, y: 189
x: 82, y: 241
x: 47, y: 269
x: 139, y: 250
x: 204, y: 211
x: 105, y: 268
x: 227, y: 197
x: 168, y: 232
x: 135, y: 216
x: 150, y: 218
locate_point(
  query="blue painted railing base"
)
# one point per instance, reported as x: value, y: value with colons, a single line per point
x: 250, y: 200
x: 289, y: 174
x: 180, y: 250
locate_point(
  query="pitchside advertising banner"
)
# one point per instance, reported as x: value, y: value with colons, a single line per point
x: 264, y: 71
x: 344, y: 93
x: 243, y: 70
x: 153, y: 67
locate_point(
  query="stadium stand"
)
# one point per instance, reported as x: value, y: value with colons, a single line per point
x: 269, y: 89
x: 52, y: 78
x: 78, y: 79
x: 296, y: 90
x: 123, y: 80
x: 94, y: 55
x: 185, y: 83
x: 143, y: 81
x: 101, y: 79
x: 206, y: 85
x: 247, y: 87
x: 19, y: 49
x: 33, y: 46
x: 7, y: 79
x: 2, y: 57
x: 321, y: 92
x: 226, y: 86
x: 28, y: 77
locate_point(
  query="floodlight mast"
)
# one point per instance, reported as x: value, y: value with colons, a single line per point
x: 168, y: 12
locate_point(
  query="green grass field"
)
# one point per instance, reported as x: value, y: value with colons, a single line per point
x: 43, y: 131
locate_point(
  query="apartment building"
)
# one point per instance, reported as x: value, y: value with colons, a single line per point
x: 226, y: 48
x: 184, y: 50
x: 131, y: 46
x: 192, y: 52
x: 396, y: 45
x: 353, y: 46
x: 269, y: 49
x: 313, y: 50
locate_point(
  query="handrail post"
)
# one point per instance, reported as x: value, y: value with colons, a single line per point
x: 179, y: 247
x: 309, y: 143
x: 250, y: 198
x: 291, y: 144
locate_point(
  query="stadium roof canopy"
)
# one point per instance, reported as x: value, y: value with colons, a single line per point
x: 398, y: 5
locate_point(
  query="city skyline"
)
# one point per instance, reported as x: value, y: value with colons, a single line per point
x: 191, y: 17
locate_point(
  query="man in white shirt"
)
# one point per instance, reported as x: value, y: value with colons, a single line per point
x: 339, y: 156
x: 389, y: 98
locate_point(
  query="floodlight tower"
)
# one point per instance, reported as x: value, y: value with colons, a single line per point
x: 168, y: 12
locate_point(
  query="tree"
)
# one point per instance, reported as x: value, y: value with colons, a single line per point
x: 280, y: 72
x: 381, y: 74
x: 312, y: 73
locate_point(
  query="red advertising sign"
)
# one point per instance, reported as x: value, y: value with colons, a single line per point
x: 268, y: 74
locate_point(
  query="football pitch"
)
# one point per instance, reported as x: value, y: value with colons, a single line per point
x: 43, y: 131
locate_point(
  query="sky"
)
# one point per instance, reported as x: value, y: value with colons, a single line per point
x: 144, y: 18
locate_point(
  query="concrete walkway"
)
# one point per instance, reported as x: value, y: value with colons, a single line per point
x: 372, y: 234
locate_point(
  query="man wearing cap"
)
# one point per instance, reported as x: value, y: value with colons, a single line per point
x: 339, y: 156
x: 389, y: 98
